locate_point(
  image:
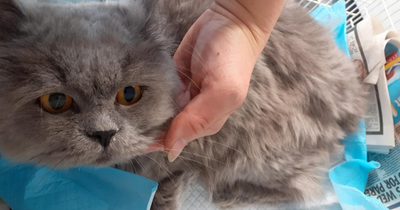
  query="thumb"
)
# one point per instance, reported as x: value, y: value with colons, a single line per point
x: 184, y: 128
x: 204, y: 115
x: 179, y: 144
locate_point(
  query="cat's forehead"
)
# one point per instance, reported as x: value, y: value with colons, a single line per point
x: 90, y: 21
x: 85, y: 72
x: 101, y: 69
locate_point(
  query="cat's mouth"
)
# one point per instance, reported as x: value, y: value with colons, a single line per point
x: 104, y: 158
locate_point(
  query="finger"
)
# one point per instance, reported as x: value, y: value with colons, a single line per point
x: 198, y: 116
x: 181, y: 143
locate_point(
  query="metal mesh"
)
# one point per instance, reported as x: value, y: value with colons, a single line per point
x: 388, y: 11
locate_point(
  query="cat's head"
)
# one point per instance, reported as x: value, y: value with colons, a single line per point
x: 83, y: 84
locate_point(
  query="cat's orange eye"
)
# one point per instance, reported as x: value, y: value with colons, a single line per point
x: 129, y: 95
x: 56, y: 102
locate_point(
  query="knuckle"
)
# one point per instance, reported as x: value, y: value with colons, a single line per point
x: 198, y: 123
x: 202, y: 121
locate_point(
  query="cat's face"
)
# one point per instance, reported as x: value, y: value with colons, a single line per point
x: 81, y: 85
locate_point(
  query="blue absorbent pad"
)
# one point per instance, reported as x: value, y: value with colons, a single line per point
x: 25, y: 187
x: 349, y: 178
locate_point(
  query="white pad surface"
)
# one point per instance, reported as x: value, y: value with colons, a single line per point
x: 196, y: 198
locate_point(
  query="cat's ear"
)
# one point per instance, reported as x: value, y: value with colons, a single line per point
x: 10, y: 17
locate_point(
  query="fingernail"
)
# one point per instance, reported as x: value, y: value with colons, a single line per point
x: 176, y: 149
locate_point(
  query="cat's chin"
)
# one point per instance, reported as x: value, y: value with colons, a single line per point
x: 103, y: 160
x: 107, y: 159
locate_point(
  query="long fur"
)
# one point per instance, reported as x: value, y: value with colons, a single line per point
x: 276, y: 148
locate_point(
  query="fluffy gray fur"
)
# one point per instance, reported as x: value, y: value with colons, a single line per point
x: 304, y: 96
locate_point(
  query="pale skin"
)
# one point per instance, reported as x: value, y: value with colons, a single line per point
x: 220, y: 50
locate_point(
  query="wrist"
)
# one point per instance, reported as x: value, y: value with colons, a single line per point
x: 256, y: 17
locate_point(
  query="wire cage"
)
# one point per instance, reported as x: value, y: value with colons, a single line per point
x: 388, y: 11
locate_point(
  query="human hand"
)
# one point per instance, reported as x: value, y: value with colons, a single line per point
x: 215, y: 61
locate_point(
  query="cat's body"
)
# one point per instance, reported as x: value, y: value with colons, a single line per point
x: 303, y: 97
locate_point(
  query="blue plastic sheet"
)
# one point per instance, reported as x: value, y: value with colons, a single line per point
x: 25, y: 187
x: 349, y: 178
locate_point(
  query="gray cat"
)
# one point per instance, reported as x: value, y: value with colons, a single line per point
x: 95, y: 84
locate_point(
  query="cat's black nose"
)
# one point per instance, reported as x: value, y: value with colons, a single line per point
x: 103, y: 137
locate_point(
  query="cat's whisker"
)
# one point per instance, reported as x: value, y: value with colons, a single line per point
x: 15, y: 109
x: 17, y: 104
x: 199, y: 163
x: 195, y: 51
x: 198, y: 58
x: 180, y: 67
x: 31, y: 164
x: 203, y: 139
x: 133, y: 165
x: 190, y: 79
x: 163, y: 168
x: 180, y: 71
x: 37, y: 155
x: 143, y: 169
x: 211, y: 141
x: 41, y: 114
x: 186, y: 152
x: 174, y: 66
x: 22, y: 169
x: 188, y: 166
x: 178, y: 109
x: 14, y: 103
x: 26, y: 168
x: 191, y: 46
x: 52, y: 169
x: 187, y: 76
x: 176, y: 105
